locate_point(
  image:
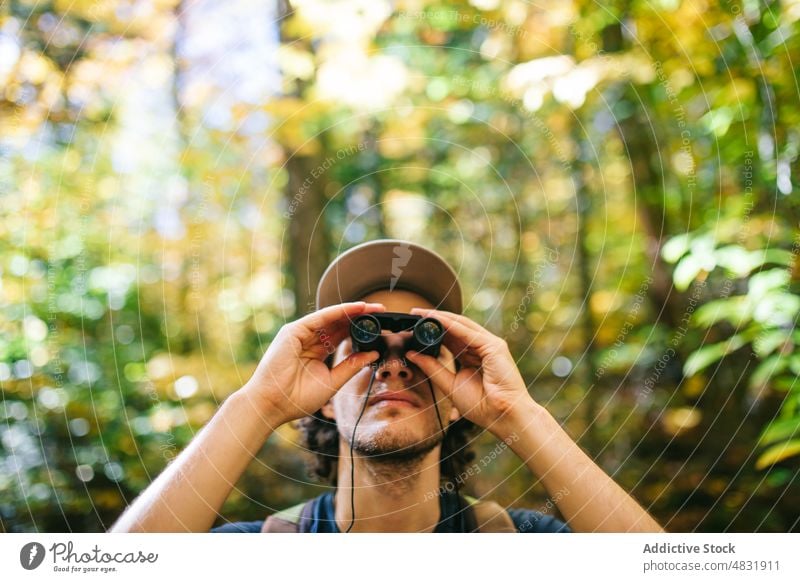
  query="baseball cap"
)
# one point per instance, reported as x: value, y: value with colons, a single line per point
x: 390, y: 264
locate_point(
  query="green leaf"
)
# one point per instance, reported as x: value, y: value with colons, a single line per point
x: 703, y: 245
x: 780, y: 430
x: 769, y: 341
x: 738, y: 260
x: 718, y: 121
x: 778, y: 453
x: 761, y: 283
x: 794, y: 364
x: 735, y: 310
x: 767, y: 369
x: 707, y: 355
x: 785, y: 384
x: 675, y: 248
x: 686, y: 271
x: 703, y: 358
x: 779, y: 257
x: 777, y: 309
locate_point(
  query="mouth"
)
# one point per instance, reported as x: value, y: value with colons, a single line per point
x: 391, y: 398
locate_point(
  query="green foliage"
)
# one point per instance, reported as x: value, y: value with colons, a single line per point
x: 765, y: 318
x: 615, y: 186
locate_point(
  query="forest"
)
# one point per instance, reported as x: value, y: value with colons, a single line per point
x: 614, y: 184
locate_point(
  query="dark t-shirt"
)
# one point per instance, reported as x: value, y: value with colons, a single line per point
x: 322, y: 511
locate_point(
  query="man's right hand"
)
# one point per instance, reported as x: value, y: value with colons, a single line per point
x: 292, y: 379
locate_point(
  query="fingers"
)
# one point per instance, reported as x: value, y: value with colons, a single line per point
x: 466, y: 331
x: 340, y: 329
x: 441, y: 377
x: 469, y: 341
x: 450, y: 315
x: 350, y: 366
x: 327, y: 316
x: 336, y: 332
x: 331, y: 325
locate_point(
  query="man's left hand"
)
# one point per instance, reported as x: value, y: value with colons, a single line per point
x: 488, y: 389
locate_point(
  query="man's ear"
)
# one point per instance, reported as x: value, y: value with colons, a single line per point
x: 454, y: 414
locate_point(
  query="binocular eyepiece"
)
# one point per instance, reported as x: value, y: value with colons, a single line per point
x: 426, y: 338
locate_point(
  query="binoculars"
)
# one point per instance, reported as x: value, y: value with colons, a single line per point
x: 427, y: 336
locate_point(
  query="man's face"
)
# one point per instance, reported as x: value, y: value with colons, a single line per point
x: 400, y: 417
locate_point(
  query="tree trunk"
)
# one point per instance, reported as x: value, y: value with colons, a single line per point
x: 308, y: 233
x: 308, y: 230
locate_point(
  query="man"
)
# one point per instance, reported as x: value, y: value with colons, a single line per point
x: 416, y: 404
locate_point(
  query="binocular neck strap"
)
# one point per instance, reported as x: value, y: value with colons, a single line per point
x: 353, y: 440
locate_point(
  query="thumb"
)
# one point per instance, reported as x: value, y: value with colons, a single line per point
x: 439, y: 375
x: 351, y: 366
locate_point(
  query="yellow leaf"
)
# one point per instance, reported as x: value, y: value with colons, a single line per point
x: 777, y: 453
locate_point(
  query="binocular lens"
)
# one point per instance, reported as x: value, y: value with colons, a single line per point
x: 365, y: 329
x: 428, y: 332
x: 365, y: 332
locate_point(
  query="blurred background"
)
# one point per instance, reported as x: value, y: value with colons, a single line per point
x: 614, y: 184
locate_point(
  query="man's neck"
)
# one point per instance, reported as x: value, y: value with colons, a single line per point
x: 400, y: 496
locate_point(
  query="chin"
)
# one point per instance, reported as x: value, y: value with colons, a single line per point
x: 388, y: 437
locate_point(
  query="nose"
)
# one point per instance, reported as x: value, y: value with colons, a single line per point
x: 394, y: 366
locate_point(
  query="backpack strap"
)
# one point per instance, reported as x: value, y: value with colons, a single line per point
x: 286, y: 521
x: 490, y: 517
x: 467, y: 514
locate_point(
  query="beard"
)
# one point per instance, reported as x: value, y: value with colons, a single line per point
x: 396, y: 466
x: 383, y: 447
x: 391, y: 446
x: 390, y: 453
